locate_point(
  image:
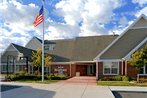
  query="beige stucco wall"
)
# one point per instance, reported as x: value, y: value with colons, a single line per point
x: 10, y: 51
x: 141, y: 23
x: 33, y: 44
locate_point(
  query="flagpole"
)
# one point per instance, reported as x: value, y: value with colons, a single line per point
x: 43, y: 44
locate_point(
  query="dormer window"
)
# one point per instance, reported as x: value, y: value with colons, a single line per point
x: 49, y: 47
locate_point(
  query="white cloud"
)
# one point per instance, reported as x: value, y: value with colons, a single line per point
x: 61, y: 30
x: 90, y: 14
x: 119, y: 30
x: 123, y: 21
x: 140, y: 2
x: 16, y: 22
x: 142, y: 11
x: 81, y: 18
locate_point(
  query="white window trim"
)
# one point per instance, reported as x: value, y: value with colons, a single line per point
x: 111, y: 70
x: 49, y: 47
x: 144, y: 71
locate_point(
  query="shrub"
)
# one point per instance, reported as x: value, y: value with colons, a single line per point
x: 58, y: 77
x: 106, y: 78
x: 55, y: 78
x: 23, y: 76
x: 125, y: 78
x: 26, y: 76
x: 142, y: 80
x: 9, y: 78
x: 37, y: 73
x: 118, y: 78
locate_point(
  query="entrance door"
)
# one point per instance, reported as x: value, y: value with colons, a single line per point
x: 91, y: 70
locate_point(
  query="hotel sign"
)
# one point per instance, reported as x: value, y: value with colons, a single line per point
x: 60, y: 69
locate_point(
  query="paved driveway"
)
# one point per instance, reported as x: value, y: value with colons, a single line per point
x: 76, y: 87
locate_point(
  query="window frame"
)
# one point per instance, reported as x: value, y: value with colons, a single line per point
x: 111, y: 69
x: 144, y: 70
x: 49, y: 47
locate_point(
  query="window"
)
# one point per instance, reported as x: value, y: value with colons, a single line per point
x: 49, y: 47
x: 110, y: 68
x: 143, y: 70
x: 4, y: 67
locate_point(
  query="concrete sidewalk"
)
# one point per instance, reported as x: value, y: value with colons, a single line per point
x: 77, y: 87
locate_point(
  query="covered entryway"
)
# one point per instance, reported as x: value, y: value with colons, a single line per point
x: 86, y: 69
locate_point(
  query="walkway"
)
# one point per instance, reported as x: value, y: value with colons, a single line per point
x: 85, y: 80
x: 76, y: 87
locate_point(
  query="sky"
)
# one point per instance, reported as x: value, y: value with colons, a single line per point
x: 66, y: 18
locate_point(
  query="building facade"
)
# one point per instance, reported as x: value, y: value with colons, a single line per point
x: 100, y: 56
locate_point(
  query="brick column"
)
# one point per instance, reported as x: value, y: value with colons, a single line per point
x: 126, y: 68
x: 73, y: 70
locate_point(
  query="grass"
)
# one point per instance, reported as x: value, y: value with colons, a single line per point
x: 120, y: 83
x: 39, y: 81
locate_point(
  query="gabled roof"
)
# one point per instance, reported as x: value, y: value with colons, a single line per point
x: 127, y: 41
x: 37, y: 39
x: 45, y: 41
x: 141, y: 45
x: 63, y: 50
x: 25, y: 51
x: 79, y: 49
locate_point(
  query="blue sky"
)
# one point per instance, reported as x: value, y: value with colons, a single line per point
x: 66, y: 18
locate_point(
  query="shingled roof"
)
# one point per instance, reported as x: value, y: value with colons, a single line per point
x: 128, y: 42
x: 25, y: 51
x: 79, y: 49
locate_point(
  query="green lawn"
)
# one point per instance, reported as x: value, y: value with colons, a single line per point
x: 39, y: 81
x: 119, y: 83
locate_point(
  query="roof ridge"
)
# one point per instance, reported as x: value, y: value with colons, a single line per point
x: 80, y: 37
x: 20, y: 46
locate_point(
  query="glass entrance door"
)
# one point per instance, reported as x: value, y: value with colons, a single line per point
x: 91, y: 70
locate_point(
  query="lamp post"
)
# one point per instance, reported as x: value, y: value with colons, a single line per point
x: 27, y: 65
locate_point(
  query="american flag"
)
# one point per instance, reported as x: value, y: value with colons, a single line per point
x: 39, y: 18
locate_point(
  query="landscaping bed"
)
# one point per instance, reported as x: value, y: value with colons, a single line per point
x: 32, y: 78
x: 119, y: 81
x: 38, y: 81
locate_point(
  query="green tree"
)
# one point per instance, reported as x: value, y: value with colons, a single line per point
x: 139, y: 59
x: 37, y: 59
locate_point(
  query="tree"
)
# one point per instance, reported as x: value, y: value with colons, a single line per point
x: 37, y: 59
x: 139, y: 58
